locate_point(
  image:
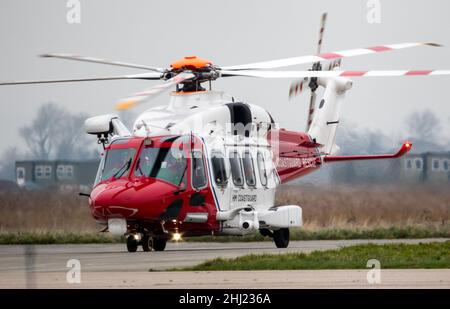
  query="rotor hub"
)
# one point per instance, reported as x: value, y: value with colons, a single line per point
x: 191, y: 63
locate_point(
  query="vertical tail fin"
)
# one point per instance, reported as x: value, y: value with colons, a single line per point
x: 327, y: 113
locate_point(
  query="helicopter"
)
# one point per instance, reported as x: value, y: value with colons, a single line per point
x: 206, y: 164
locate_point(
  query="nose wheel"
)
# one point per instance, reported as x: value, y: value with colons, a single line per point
x: 159, y: 244
x: 147, y: 242
x: 132, y: 243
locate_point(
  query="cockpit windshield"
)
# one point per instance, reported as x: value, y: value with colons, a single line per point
x: 117, y: 162
x: 168, y: 164
x: 162, y: 159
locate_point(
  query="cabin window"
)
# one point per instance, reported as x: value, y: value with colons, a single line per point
x: 262, y: 169
x: 236, y: 169
x: 408, y: 164
x: 64, y: 172
x: 446, y: 165
x: 43, y: 171
x: 418, y: 164
x: 219, y: 169
x: 198, y: 170
x: 435, y: 164
x: 249, y: 169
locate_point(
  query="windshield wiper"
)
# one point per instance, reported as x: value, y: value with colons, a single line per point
x: 138, y: 167
x: 179, y: 190
x: 182, y: 176
x: 123, y: 169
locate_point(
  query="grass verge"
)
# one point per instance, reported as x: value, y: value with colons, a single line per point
x: 417, y: 232
x: 429, y: 255
x: 393, y: 232
x: 37, y: 238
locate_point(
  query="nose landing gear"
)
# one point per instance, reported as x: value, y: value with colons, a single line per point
x: 132, y: 243
x: 159, y: 244
x: 148, y: 242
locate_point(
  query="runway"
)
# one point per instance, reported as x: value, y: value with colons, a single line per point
x: 44, y: 266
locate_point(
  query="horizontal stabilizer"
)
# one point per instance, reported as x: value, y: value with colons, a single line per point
x: 403, y: 150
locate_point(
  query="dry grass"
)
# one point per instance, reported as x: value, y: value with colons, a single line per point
x: 360, y: 207
x: 368, y: 207
x: 45, y: 211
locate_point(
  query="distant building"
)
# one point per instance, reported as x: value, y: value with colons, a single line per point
x: 427, y: 168
x: 37, y: 174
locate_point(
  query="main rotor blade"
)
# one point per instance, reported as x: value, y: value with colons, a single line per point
x: 152, y: 92
x: 147, y: 76
x: 101, y: 61
x: 303, y: 74
x: 325, y: 56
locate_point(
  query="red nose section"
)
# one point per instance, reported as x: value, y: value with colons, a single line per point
x: 148, y: 198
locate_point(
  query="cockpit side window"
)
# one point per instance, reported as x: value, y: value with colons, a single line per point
x: 167, y: 163
x: 198, y: 170
x: 219, y: 169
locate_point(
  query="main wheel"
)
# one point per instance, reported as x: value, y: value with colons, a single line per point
x: 147, y: 243
x: 132, y: 244
x: 266, y: 232
x: 281, y: 238
x: 159, y: 244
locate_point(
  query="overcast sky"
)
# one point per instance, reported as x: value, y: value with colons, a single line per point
x: 226, y: 32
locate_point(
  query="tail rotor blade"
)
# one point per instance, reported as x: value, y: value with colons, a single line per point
x: 312, y: 108
x: 321, y: 32
x: 298, y: 87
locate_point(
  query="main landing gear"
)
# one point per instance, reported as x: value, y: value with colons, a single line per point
x: 280, y: 237
x: 157, y: 243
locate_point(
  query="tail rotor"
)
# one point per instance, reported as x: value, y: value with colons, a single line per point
x: 299, y: 86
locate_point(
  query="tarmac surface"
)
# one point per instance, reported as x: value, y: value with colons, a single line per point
x: 110, y: 265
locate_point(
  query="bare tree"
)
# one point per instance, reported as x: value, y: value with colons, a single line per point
x: 40, y: 136
x: 56, y: 133
x: 424, y: 125
x: 7, y: 165
x: 71, y: 141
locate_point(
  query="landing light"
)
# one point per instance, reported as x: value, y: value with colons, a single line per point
x: 176, y: 236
